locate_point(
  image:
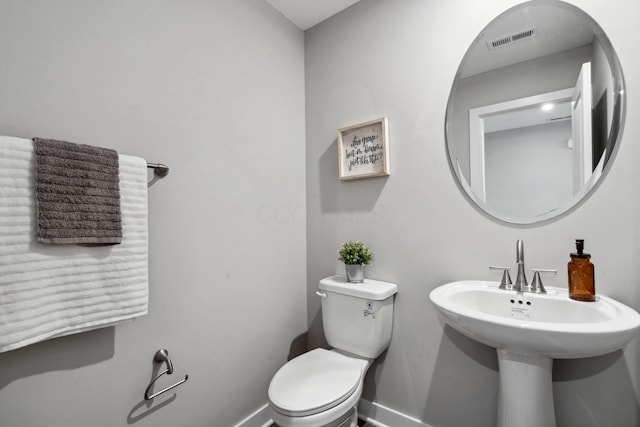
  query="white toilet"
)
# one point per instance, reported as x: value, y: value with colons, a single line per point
x: 321, y: 388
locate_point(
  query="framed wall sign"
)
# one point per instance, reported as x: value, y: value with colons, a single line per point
x: 363, y: 150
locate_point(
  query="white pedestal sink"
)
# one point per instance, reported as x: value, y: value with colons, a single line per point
x: 529, y: 331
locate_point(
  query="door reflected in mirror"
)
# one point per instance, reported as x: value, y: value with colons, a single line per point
x: 535, y: 112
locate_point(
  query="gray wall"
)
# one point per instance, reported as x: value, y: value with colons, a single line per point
x: 215, y: 89
x: 398, y: 59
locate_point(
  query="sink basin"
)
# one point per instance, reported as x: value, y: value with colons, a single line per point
x: 551, y: 324
x: 529, y: 331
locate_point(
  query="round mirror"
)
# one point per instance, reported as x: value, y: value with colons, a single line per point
x: 536, y: 109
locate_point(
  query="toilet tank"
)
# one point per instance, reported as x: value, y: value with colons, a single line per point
x: 357, y: 317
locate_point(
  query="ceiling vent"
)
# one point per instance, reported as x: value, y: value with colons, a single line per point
x: 511, y: 38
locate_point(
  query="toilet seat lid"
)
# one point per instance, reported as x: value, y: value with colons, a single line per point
x: 314, y: 382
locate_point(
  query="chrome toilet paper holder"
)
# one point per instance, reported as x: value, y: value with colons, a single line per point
x: 162, y: 356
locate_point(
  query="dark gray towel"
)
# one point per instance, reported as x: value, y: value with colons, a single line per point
x: 77, y: 193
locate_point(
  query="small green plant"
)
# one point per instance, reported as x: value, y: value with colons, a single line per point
x: 355, y: 253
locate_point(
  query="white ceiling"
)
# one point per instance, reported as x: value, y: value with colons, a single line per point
x: 307, y: 13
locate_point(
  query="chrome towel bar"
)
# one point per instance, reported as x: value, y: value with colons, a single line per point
x: 159, y: 169
x: 162, y: 356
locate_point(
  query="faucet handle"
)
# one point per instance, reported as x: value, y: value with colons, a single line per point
x: 506, y: 282
x: 537, y: 286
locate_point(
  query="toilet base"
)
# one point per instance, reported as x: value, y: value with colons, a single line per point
x: 350, y: 419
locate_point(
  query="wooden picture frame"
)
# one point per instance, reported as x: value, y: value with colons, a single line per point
x: 363, y: 150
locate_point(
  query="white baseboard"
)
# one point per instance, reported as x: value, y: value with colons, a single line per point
x: 372, y: 412
x: 259, y: 418
x: 381, y: 416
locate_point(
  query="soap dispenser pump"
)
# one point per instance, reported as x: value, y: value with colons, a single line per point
x: 582, y: 285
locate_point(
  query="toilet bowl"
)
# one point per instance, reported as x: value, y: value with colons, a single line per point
x: 321, y: 388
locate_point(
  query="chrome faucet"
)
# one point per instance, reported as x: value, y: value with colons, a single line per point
x: 521, y: 284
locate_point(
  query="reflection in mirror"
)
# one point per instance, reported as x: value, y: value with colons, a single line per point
x: 535, y: 112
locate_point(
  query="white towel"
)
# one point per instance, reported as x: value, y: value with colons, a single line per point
x: 49, y: 291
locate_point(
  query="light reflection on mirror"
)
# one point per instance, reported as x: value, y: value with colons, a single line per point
x: 517, y: 162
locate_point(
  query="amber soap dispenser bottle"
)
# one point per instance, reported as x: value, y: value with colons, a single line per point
x: 582, y: 286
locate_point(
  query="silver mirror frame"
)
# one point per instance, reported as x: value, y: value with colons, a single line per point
x: 614, y: 133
